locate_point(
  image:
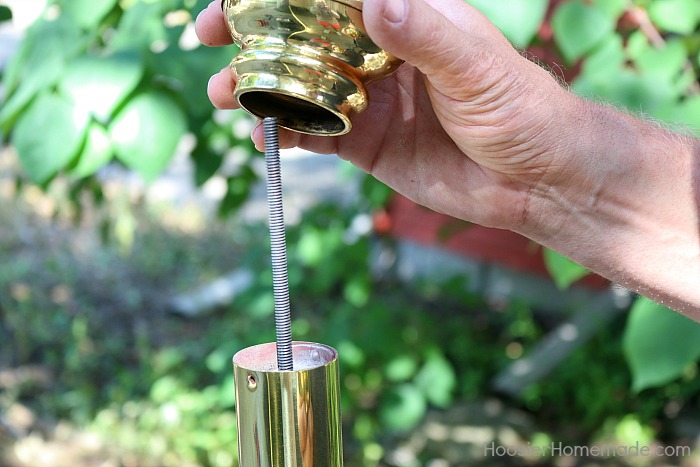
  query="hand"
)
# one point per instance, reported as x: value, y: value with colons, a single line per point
x: 465, y: 127
x: 470, y: 128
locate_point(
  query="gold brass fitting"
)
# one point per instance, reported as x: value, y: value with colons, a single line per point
x: 288, y: 418
x: 305, y: 62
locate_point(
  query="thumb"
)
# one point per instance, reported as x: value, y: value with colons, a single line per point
x: 447, y: 40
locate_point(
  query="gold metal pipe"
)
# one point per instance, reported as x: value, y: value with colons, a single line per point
x: 288, y: 418
x: 305, y: 62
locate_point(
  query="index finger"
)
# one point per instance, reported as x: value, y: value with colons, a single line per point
x: 211, y: 26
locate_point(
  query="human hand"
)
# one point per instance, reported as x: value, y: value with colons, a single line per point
x: 470, y: 128
x: 464, y: 127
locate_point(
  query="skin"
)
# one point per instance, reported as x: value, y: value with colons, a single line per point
x: 470, y: 128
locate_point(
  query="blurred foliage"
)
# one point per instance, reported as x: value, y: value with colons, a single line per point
x: 116, y: 83
x: 5, y: 13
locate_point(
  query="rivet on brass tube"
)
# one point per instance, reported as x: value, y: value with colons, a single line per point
x: 288, y: 418
x: 305, y: 62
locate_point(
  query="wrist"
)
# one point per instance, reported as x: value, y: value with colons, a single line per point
x: 625, y: 205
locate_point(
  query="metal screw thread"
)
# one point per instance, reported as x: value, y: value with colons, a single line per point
x: 278, y: 244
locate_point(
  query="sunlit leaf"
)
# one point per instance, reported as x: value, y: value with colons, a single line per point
x: 86, y: 13
x: 47, y: 136
x: 579, y: 27
x: 664, y: 63
x: 402, y: 407
x: 356, y: 289
x: 353, y: 356
x: 636, y: 44
x: 98, y: 85
x: 606, y: 60
x: 659, y: 344
x: 437, y: 379
x: 165, y: 388
x: 310, y: 248
x: 612, y: 8
x: 680, y: 16
x: 140, y: 26
x: 564, y: 271
x: 519, y: 20
x: 227, y: 395
x: 146, y: 133
x: 688, y: 113
x: 401, y: 368
x: 630, y: 89
x: 220, y: 359
x: 96, y: 153
x: 37, y: 65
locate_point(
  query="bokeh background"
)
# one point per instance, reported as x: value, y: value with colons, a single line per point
x: 134, y: 260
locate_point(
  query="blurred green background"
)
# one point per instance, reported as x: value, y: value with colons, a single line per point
x: 122, y: 188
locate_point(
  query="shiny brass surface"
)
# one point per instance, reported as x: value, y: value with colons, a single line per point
x: 305, y: 62
x: 288, y: 418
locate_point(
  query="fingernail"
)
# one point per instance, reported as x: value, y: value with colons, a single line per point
x: 257, y: 136
x: 395, y: 10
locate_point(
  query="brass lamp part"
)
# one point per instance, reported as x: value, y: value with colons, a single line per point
x: 305, y: 62
x: 288, y: 418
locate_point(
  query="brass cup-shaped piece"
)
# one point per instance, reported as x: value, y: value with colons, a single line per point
x: 288, y: 418
x: 305, y: 62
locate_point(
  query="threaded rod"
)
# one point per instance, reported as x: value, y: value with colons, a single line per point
x: 278, y: 246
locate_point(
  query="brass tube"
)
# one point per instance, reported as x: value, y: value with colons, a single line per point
x: 288, y: 418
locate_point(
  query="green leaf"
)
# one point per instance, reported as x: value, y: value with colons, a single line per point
x: 659, y: 344
x: 5, y: 13
x: 401, y: 368
x: 356, y: 289
x: 665, y: 63
x: 147, y: 131
x: 579, y: 27
x: 206, y: 163
x: 47, y: 137
x: 353, y: 356
x: 37, y: 65
x: 310, y: 247
x: 140, y: 26
x: 375, y: 192
x: 87, y: 13
x: 564, y: 271
x: 437, y: 380
x: 165, y: 389
x: 637, y: 43
x: 688, y: 113
x: 606, y: 60
x: 227, y: 394
x: 519, y: 20
x: 402, y: 407
x: 237, y: 190
x: 612, y: 8
x: 98, y: 85
x: 191, y: 71
x: 96, y: 153
x: 680, y: 16
x: 632, y: 90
